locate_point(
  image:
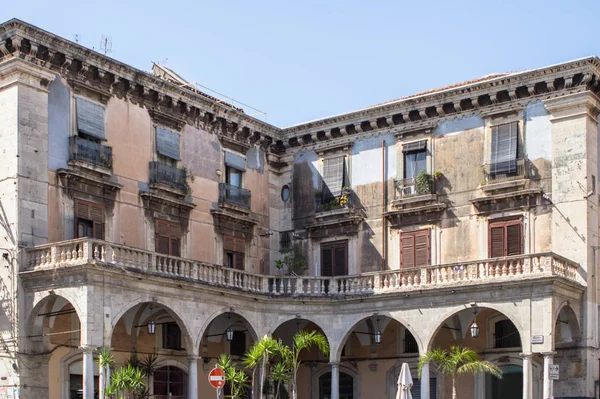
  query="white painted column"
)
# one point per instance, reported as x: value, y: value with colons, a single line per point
x: 335, y: 381
x: 548, y: 360
x: 479, y: 385
x: 88, y: 372
x: 425, y: 381
x: 102, y: 382
x: 193, y: 377
x: 527, y: 376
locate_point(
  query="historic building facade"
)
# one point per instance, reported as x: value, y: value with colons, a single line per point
x: 146, y: 217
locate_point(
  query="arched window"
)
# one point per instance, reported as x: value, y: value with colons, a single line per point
x: 506, y: 335
x: 170, y: 382
x: 346, y: 386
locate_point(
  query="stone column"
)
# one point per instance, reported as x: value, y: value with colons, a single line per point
x: 88, y: 372
x: 527, y: 376
x: 102, y: 381
x: 548, y: 360
x: 425, y: 381
x: 193, y: 377
x: 335, y: 380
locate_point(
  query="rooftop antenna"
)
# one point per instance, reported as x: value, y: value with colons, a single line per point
x: 76, y: 37
x: 106, y: 44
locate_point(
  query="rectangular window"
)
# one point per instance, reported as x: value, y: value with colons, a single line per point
x: 90, y: 119
x: 234, y: 249
x: 334, y: 178
x: 89, y: 220
x: 415, y: 249
x: 504, y: 149
x: 171, y: 336
x: 334, y: 259
x: 237, y: 346
x: 505, y: 238
x: 415, y: 158
x: 168, y: 237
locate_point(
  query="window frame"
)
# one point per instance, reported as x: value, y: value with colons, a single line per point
x: 345, y: 176
x: 414, y: 234
x: 175, y: 234
x: 505, y: 223
x: 237, y: 252
x: 98, y: 228
x: 495, y: 128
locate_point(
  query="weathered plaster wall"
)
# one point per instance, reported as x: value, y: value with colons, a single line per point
x: 59, y: 123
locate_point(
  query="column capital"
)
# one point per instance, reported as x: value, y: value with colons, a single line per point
x: 193, y: 358
x: 88, y: 348
x: 334, y: 364
x: 526, y: 355
x: 548, y: 355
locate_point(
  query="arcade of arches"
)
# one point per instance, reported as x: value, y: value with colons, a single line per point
x: 367, y: 349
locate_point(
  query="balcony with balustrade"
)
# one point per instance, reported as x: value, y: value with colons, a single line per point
x: 465, y: 276
x: 234, y: 195
x: 168, y: 177
x: 90, y: 154
x: 415, y: 196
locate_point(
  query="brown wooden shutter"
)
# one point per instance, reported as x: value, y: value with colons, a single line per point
x: 496, y: 242
x: 82, y: 210
x: 327, y: 262
x: 407, y: 250
x: 238, y: 261
x: 339, y: 258
x: 162, y: 245
x: 422, y: 248
x: 228, y: 243
x: 175, y: 247
x: 513, y: 239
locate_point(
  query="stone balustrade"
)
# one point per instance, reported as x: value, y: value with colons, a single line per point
x: 97, y: 252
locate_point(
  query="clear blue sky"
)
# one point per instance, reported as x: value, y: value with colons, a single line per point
x: 309, y: 59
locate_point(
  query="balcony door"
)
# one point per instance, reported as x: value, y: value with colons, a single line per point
x: 334, y: 259
x: 505, y: 237
x: 234, y: 249
x: 89, y: 220
x: 168, y: 237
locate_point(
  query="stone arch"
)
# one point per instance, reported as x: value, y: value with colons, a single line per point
x: 185, y: 330
x: 246, y: 316
x: 172, y: 362
x: 566, y: 325
x: 284, y: 319
x: 34, y: 335
x: 501, y: 308
x: 362, y: 317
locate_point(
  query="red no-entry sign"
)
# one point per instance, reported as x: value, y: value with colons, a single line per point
x: 216, y: 378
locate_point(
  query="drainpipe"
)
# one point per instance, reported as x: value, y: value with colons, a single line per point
x: 383, y: 232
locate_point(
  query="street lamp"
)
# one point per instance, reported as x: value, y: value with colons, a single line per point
x: 474, y: 327
x: 151, y: 327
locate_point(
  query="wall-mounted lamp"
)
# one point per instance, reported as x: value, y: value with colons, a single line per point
x: 474, y: 327
x: 229, y: 334
x: 151, y: 327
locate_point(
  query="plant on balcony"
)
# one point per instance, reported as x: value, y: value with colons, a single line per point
x: 437, y: 175
x: 424, y: 183
x: 188, y: 179
x: 237, y: 379
x: 457, y: 361
x: 293, y: 260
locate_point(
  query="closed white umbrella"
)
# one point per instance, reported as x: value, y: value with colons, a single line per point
x: 405, y: 383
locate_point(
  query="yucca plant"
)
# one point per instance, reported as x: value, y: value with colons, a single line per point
x: 458, y: 361
x: 127, y: 383
x: 237, y: 379
x: 305, y: 340
x: 259, y: 354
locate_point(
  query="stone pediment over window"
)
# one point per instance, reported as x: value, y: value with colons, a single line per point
x: 230, y: 218
x: 341, y: 221
x: 156, y: 195
x: 510, y: 199
x: 87, y: 175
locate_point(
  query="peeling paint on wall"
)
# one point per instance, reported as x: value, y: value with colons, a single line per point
x: 459, y: 125
x: 366, y: 160
x: 538, y: 131
x: 255, y: 159
x: 59, y: 124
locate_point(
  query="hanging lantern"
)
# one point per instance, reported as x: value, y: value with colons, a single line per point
x: 474, y: 329
x: 229, y: 334
x: 377, y: 337
x: 151, y: 327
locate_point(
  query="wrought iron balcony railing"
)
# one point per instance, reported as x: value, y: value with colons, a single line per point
x: 168, y: 175
x: 234, y: 195
x: 488, y: 271
x: 90, y: 152
x: 505, y: 171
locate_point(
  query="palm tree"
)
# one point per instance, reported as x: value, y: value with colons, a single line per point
x: 457, y: 361
x: 304, y: 340
x: 280, y: 374
x: 127, y: 382
x: 259, y: 354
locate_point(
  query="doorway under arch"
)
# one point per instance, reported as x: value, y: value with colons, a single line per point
x: 170, y: 382
x: 346, y: 386
x: 509, y: 386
